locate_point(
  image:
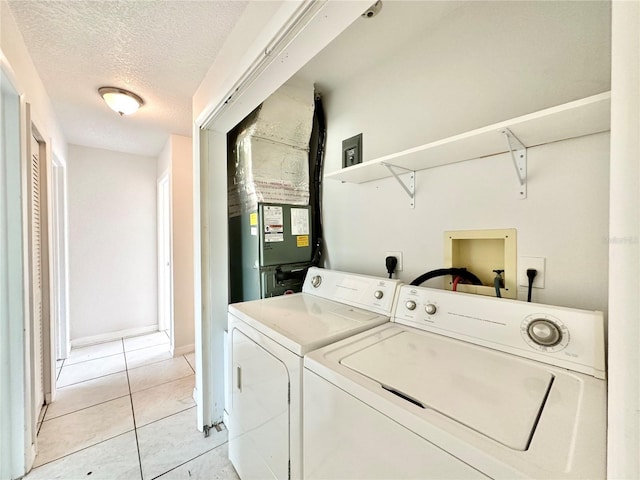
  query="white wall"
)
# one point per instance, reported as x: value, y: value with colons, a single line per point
x: 164, y: 160
x: 176, y: 158
x: 112, y: 242
x: 182, y: 242
x: 486, y: 63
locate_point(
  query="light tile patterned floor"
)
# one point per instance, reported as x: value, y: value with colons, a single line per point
x: 124, y: 409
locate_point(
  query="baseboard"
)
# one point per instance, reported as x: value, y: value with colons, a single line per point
x: 111, y: 336
x: 183, y: 350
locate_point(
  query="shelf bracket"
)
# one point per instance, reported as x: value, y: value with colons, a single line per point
x: 519, y: 157
x: 410, y: 186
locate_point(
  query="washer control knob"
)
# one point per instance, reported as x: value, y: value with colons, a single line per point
x: 378, y: 294
x: 544, y: 332
x: 410, y: 304
x: 316, y: 280
x: 430, y: 308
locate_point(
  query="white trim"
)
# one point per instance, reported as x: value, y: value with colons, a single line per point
x: 293, y: 36
x: 203, y: 357
x: 111, y: 336
x: 25, y: 155
x: 225, y: 420
x: 165, y: 315
x: 50, y: 347
x: 623, y: 435
x: 294, y: 24
x: 184, y: 350
x: 10, y: 75
x: 14, y: 437
x: 59, y: 258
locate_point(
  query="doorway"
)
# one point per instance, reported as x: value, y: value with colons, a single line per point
x: 165, y: 268
x: 38, y: 261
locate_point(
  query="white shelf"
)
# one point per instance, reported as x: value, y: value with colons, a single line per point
x: 575, y: 119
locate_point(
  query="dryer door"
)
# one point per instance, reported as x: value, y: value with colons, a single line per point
x: 259, y: 417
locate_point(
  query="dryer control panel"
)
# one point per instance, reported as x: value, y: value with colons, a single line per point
x: 565, y: 337
x: 371, y: 293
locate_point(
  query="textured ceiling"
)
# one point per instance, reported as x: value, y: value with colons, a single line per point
x: 160, y: 50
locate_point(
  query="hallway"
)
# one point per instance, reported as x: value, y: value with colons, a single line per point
x: 125, y: 409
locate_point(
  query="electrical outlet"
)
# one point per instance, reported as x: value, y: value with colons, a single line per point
x: 525, y: 263
x: 398, y: 255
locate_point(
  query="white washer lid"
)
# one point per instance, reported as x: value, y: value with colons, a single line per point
x: 302, y: 322
x: 495, y: 396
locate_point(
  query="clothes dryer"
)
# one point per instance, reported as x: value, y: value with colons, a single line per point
x: 267, y: 340
x: 460, y: 386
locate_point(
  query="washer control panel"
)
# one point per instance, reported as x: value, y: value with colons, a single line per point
x: 561, y: 336
x: 545, y: 333
x: 371, y: 293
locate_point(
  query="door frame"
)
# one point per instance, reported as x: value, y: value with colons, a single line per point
x: 16, y: 454
x: 48, y: 339
x: 165, y: 276
x: 293, y: 36
x: 623, y: 425
x: 59, y: 260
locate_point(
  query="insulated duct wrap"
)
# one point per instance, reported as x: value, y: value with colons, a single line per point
x: 271, y: 152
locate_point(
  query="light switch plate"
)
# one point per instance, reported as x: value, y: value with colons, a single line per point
x: 352, y: 151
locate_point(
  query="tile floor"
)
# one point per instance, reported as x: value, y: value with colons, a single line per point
x: 125, y: 410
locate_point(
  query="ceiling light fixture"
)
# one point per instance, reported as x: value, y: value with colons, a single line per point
x: 119, y: 100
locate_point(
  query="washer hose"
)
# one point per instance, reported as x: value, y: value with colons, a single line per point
x: 496, y: 285
x: 441, y: 272
x: 498, y: 282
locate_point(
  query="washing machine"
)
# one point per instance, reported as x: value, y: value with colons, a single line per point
x: 460, y: 386
x: 267, y: 340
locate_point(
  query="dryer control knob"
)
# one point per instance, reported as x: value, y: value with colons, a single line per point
x: 316, y: 280
x: 544, y: 332
x: 378, y: 294
x: 430, y: 308
x: 410, y: 304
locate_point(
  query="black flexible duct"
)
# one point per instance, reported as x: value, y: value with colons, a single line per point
x: 317, y: 180
x: 441, y: 272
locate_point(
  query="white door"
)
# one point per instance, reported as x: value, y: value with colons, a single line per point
x: 35, y: 260
x: 165, y: 289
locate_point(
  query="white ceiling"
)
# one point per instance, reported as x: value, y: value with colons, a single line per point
x: 159, y: 49
x: 369, y: 41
